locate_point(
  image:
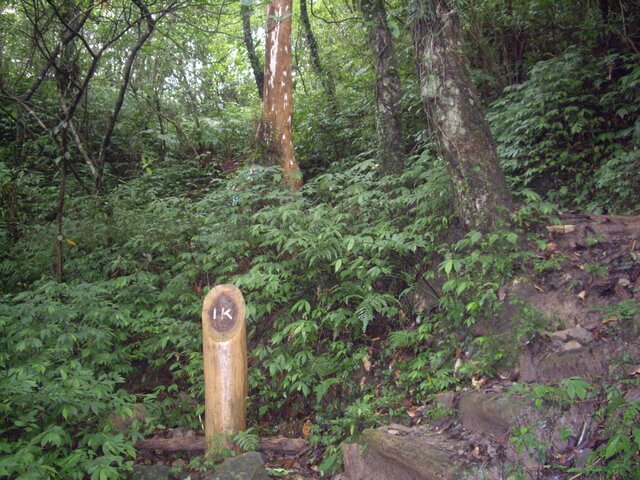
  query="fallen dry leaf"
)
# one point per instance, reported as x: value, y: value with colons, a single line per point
x: 622, y: 292
x: 582, y: 295
x: 478, y: 382
x: 457, y: 365
x: 306, y: 429
x: 624, y: 282
x: 502, y: 293
x: 366, y: 363
x: 571, y: 345
x: 561, y: 228
x: 415, y: 411
x: 287, y: 463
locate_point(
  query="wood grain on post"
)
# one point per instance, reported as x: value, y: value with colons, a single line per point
x: 224, y: 342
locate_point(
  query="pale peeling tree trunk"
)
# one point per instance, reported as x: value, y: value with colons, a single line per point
x: 275, y: 127
x: 456, y: 115
x: 388, y: 89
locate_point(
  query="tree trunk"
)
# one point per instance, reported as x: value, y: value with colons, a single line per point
x: 275, y: 127
x: 160, y: 118
x: 388, y: 89
x: 258, y: 72
x: 323, y: 74
x: 66, y: 75
x: 9, y: 201
x: 124, y: 85
x: 59, y: 222
x: 452, y: 104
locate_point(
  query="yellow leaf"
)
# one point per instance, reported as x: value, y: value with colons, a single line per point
x: 307, y: 428
x: 366, y: 363
x: 71, y: 242
x: 561, y: 228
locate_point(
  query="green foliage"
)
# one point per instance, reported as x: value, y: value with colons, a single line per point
x: 64, y: 367
x: 525, y: 440
x: 617, y: 457
x: 497, y: 33
x: 564, y: 394
x: 600, y: 270
x: 625, y: 311
x: 247, y: 440
x: 320, y: 272
x: 571, y: 130
x: 336, y: 271
x: 330, y: 273
x: 325, y: 273
x: 614, y: 458
x: 494, y: 257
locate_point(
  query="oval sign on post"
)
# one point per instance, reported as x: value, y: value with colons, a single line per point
x: 224, y: 343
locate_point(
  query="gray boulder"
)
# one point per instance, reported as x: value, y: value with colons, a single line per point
x: 248, y: 466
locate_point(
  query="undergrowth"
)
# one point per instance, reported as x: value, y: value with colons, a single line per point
x: 342, y: 335
x: 571, y: 131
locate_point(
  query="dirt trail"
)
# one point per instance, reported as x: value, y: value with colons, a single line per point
x: 589, y: 296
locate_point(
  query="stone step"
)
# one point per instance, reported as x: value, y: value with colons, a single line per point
x: 589, y: 362
x: 507, y: 419
x: 493, y: 413
x: 379, y: 455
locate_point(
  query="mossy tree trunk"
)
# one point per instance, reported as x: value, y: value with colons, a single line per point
x: 456, y: 115
x: 388, y: 88
x: 258, y: 71
x: 275, y: 128
x: 66, y: 75
x: 325, y: 75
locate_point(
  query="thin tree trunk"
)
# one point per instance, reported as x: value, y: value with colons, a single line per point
x: 10, y: 198
x: 325, y: 76
x: 452, y: 104
x: 157, y: 106
x: 66, y: 73
x: 163, y: 144
x: 258, y: 71
x: 126, y: 77
x: 60, y: 220
x: 388, y: 89
x: 275, y: 128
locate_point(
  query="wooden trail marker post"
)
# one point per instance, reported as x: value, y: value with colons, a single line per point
x: 224, y: 343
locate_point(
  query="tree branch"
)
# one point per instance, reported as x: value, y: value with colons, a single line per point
x: 126, y: 77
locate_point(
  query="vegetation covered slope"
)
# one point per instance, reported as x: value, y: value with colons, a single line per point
x: 363, y: 290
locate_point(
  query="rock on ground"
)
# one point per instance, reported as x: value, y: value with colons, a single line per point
x: 150, y: 472
x: 381, y: 456
x: 248, y: 466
